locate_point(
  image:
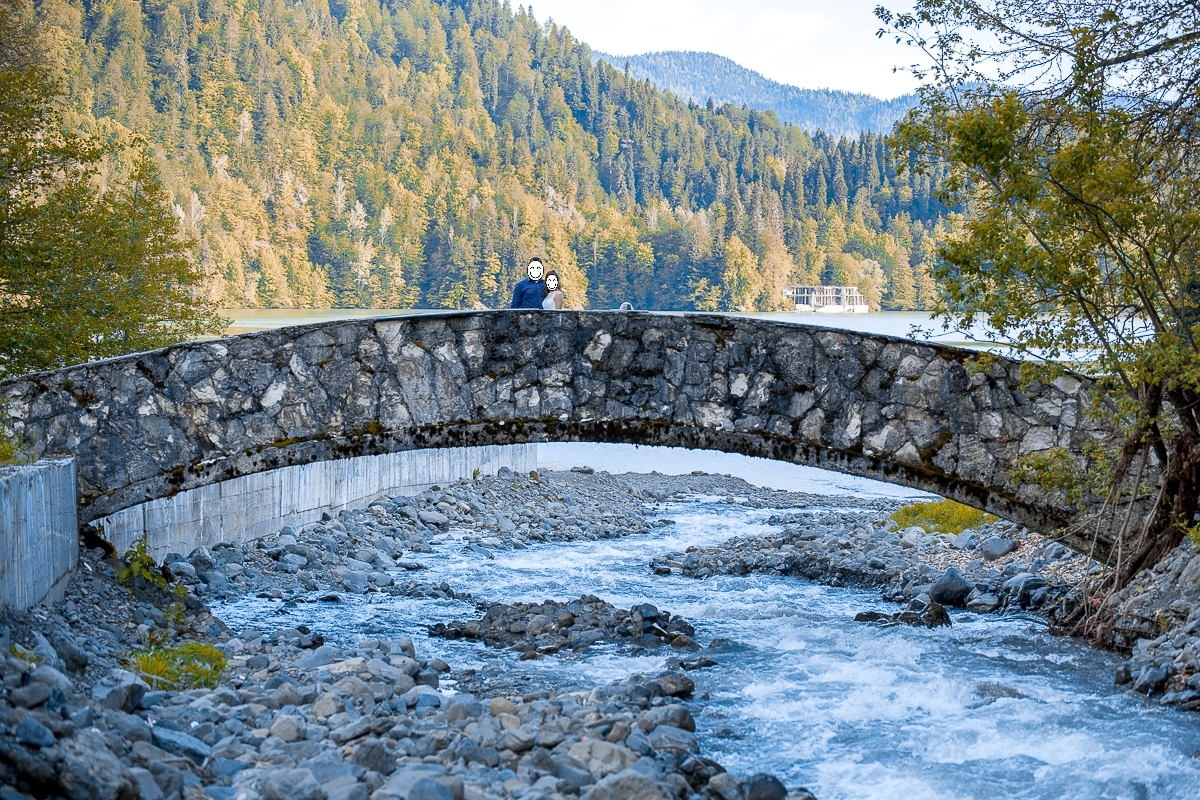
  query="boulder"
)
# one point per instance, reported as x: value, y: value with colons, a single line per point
x: 951, y: 589
x: 672, y: 714
x: 290, y: 784
x: 675, y: 740
x: 31, y: 732
x: 290, y: 727
x: 764, y: 787
x: 181, y: 744
x: 628, y: 785
x: 373, y: 755
x: 995, y: 547
x: 89, y: 771
x: 602, y: 758
x: 121, y: 690
x: 724, y: 786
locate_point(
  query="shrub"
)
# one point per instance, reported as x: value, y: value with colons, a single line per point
x: 140, y: 564
x: 191, y: 665
x: 942, y: 516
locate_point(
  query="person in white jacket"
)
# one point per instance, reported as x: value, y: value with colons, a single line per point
x: 554, y: 295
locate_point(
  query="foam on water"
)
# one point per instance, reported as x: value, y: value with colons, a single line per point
x: 992, y: 707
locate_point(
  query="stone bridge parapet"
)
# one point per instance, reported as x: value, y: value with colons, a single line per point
x: 934, y: 418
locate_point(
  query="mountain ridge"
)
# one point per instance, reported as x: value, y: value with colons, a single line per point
x: 696, y: 76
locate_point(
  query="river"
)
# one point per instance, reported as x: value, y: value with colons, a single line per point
x: 992, y: 707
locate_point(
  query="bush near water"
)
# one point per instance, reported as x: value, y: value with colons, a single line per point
x: 942, y: 516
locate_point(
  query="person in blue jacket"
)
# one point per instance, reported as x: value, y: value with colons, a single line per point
x: 530, y: 292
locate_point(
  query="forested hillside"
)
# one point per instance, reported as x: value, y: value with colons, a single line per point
x: 416, y: 152
x: 699, y: 76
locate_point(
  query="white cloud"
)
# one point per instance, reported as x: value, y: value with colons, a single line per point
x: 809, y: 43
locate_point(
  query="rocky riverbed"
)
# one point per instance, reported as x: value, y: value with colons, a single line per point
x: 296, y: 718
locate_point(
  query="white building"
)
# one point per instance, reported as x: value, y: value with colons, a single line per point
x: 828, y: 299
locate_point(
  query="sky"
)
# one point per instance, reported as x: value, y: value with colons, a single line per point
x: 814, y: 44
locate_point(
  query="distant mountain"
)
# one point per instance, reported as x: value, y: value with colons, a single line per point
x: 699, y: 76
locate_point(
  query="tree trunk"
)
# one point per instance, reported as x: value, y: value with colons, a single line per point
x: 1173, y: 515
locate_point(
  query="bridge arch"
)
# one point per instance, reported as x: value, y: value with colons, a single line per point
x: 934, y: 418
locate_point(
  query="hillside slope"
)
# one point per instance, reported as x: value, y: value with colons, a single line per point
x: 393, y: 153
x: 699, y: 76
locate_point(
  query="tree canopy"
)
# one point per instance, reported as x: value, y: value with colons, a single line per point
x: 397, y: 153
x: 91, y: 264
x: 1069, y: 132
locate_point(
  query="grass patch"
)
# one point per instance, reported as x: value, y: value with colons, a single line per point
x: 942, y: 516
x: 191, y: 665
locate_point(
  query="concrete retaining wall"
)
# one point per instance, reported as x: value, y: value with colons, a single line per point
x: 257, y: 505
x: 39, y: 532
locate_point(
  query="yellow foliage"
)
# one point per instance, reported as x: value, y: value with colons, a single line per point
x: 191, y: 665
x: 942, y: 516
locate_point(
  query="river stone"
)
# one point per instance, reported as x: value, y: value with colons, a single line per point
x: 30, y: 696
x: 201, y: 558
x: 290, y: 784
x: 429, y: 789
x: 764, y: 787
x: 290, y: 728
x: 88, y: 771
x: 602, y: 758
x: 983, y: 603
x: 951, y: 589
x: 405, y: 779
x: 501, y: 705
x: 148, y: 788
x: 121, y: 690
x: 181, y: 744
x: 355, y: 581
x: 726, y: 787
x: 434, y: 518
x: 628, y: 785
x: 995, y: 547
x: 677, y: 740
x: 30, y: 731
x: 374, y: 756
x: 673, y: 714
x: 675, y: 684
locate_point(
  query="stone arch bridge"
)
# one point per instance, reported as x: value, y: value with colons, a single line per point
x: 934, y: 418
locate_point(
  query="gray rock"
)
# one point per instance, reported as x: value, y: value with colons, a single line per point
x: 121, y: 690
x: 434, y: 518
x: 429, y: 789
x: 181, y: 744
x: 131, y: 728
x: 404, y: 780
x: 346, y: 791
x: 290, y: 727
x: 351, y: 730
x: 374, y: 756
x: 320, y: 657
x: 676, y: 740
x: 995, y: 547
x: 764, y: 787
x: 30, y: 696
x: 627, y: 785
x: 951, y: 589
x: 73, y: 656
x: 148, y: 788
x: 215, y: 581
x: 88, y: 771
x: 355, y: 580
x: 983, y: 603
x: 290, y: 784
x: 30, y: 731
x: 201, y: 558
x: 671, y: 714
x: 725, y: 787
x: 1150, y: 680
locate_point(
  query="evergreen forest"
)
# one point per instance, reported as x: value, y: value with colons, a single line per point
x: 416, y: 153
